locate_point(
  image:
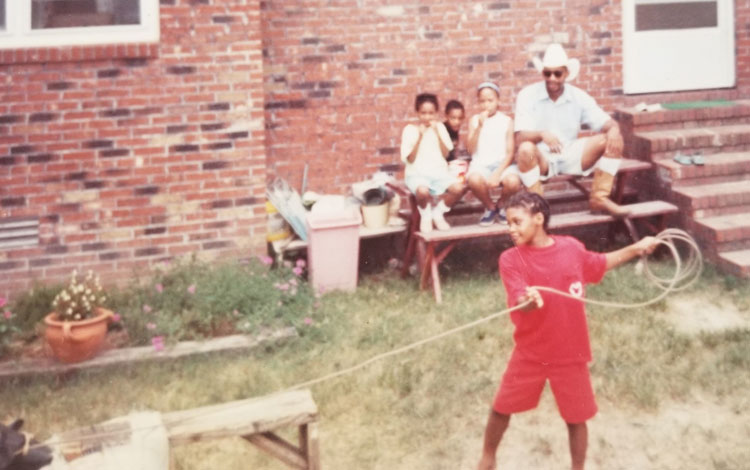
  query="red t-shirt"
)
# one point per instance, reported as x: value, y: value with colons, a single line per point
x: 557, y: 332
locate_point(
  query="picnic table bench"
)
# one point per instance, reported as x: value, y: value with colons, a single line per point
x: 434, y: 254
x: 627, y: 167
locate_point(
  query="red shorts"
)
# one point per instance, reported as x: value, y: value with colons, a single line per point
x: 524, y: 381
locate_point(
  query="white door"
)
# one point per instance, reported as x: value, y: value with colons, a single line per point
x: 673, y: 45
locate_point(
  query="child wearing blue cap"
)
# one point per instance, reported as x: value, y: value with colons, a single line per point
x: 491, y: 146
x: 424, y: 148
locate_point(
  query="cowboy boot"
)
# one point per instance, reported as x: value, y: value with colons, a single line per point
x: 536, y: 188
x: 599, y: 200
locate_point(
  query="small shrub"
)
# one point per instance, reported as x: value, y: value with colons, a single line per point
x: 33, y: 305
x: 197, y: 300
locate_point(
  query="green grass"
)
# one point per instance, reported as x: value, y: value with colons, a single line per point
x: 424, y: 409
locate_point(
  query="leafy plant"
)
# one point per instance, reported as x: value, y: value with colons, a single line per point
x: 31, y: 306
x: 195, y: 300
x: 80, y: 299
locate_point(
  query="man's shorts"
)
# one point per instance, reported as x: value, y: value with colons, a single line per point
x: 524, y: 381
x: 437, y: 184
x: 487, y: 170
x: 567, y: 162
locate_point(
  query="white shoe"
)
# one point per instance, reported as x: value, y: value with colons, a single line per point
x: 425, y: 219
x: 439, y: 220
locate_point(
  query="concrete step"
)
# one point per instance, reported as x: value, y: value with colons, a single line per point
x: 735, y: 262
x: 665, y: 143
x: 630, y: 118
x: 705, y: 200
x: 719, y: 168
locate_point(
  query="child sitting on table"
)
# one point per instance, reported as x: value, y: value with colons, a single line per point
x: 454, y: 118
x: 491, y: 146
x: 551, y: 335
x: 424, y: 147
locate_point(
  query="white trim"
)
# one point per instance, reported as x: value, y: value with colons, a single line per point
x: 19, y: 35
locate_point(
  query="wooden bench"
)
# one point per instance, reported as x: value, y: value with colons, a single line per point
x: 256, y: 420
x: 627, y: 167
x: 434, y: 254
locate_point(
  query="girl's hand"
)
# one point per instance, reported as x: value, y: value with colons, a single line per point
x: 646, y: 245
x: 482, y: 116
x: 532, y: 298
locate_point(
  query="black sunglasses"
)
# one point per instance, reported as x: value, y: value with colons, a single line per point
x: 549, y: 73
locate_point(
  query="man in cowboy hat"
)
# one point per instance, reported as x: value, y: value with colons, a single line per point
x: 549, y: 114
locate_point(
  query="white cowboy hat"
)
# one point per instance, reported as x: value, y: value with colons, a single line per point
x: 554, y: 57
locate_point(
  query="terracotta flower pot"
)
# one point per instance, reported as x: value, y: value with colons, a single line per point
x: 76, y: 341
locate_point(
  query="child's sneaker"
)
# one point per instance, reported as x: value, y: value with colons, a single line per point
x: 439, y: 220
x: 488, y: 218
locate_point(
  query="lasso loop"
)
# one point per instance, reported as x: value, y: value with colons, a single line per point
x: 686, y: 271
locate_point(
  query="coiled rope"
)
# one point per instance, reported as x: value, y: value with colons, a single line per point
x: 686, y: 272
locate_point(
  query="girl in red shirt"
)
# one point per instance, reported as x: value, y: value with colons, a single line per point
x: 551, y: 335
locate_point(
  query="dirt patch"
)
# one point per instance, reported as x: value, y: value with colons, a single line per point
x: 698, y: 434
x: 692, y: 314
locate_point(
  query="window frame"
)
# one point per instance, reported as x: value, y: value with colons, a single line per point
x: 20, y: 35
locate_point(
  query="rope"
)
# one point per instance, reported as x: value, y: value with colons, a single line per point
x: 403, y: 349
x: 685, y: 274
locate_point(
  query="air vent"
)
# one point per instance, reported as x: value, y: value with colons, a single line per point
x: 19, y: 231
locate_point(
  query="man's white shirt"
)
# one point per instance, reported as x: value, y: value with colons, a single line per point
x: 535, y: 111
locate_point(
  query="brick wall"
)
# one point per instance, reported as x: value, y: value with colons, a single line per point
x: 340, y: 76
x: 130, y: 155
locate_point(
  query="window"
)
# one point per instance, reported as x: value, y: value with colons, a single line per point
x: 676, y: 15
x: 42, y: 23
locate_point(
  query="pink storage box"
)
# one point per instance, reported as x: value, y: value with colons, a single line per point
x: 333, y: 250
